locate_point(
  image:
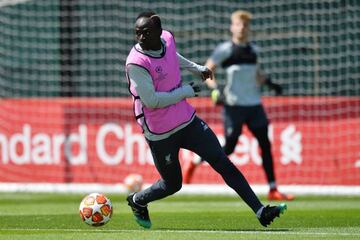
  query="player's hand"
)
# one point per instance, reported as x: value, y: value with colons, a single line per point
x: 217, y: 97
x: 195, y: 87
x: 274, y: 86
x: 207, y: 73
x: 277, y: 88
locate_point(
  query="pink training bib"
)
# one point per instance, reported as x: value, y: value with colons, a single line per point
x: 165, y: 72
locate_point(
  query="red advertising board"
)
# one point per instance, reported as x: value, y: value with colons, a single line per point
x: 93, y: 140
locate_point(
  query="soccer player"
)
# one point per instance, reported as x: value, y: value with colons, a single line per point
x: 242, y: 99
x: 169, y: 122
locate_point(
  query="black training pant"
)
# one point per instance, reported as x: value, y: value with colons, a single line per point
x: 200, y: 139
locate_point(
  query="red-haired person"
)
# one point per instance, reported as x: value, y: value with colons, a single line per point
x: 241, y: 96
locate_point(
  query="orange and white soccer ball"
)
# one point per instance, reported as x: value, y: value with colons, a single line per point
x: 133, y: 183
x: 96, y: 209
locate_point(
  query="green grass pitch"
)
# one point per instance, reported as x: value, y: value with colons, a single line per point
x: 29, y: 216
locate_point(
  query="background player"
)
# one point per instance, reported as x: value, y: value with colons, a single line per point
x: 242, y: 97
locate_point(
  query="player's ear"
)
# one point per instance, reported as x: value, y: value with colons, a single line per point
x: 159, y: 31
x: 157, y: 22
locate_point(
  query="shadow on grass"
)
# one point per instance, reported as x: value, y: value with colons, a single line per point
x: 224, y: 230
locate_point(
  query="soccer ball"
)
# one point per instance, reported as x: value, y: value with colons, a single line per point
x: 133, y: 183
x: 96, y: 209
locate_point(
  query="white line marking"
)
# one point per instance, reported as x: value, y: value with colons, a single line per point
x: 269, y: 231
x: 198, y: 189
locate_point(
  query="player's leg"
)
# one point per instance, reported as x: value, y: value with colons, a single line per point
x: 234, y: 117
x: 233, y: 120
x: 199, y: 138
x: 165, y: 154
x: 261, y: 134
x: 258, y: 125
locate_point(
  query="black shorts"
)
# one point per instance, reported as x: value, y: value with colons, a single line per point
x: 253, y: 116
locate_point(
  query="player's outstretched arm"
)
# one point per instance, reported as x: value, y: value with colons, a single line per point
x: 211, y: 81
x: 216, y: 94
x: 202, y: 71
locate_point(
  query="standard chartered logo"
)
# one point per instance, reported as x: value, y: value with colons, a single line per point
x: 100, y: 144
x: 26, y: 147
x: 130, y: 146
x: 40, y: 148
